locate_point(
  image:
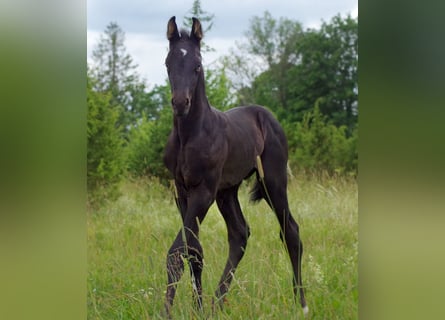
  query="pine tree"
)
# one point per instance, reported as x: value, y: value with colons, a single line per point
x: 204, y: 17
x: 113, y: 66
x: 105, y: 161
x: 116, y: 73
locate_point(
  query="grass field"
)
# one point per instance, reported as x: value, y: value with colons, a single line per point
x: 128, y: 240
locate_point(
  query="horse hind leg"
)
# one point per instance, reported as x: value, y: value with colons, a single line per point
x: 290, y: 236
x: 238, y: 233
x: 272, y: 186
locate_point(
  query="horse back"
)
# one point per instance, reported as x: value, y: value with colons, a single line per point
x: 249, y: 131
x: 259, y: 123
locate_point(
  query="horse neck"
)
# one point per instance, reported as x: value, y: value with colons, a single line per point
x: 200, y: 110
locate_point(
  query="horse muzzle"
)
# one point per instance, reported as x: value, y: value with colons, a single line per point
x: 181, y: 105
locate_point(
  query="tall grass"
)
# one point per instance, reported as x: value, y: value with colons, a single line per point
x: 128, y: 240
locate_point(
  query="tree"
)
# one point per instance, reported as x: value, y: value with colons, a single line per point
x: 113, y: 67
x: 328, y: 71
x: 105, y: 161
x: 147, y: 140
x: 271, y: 44
x: 241, y: 70
x: 204, y: 17
x: 300, y: 68
x: 116, y: 73
x: 273, y: 40
x: 308, y: 78
x: 318, y: 145
x: 218, y: 88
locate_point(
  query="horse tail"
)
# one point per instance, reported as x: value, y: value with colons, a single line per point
x: 289, y: 171
x: 257, y: 193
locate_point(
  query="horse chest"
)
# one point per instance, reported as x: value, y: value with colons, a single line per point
x: 192, y: 165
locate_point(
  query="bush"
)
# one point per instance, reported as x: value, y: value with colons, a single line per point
x: 105, y: 159
x: 315, y: 144
x: 145, y: 149
x: 218, y: 89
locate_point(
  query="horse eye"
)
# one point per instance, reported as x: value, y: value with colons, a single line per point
x: 198, y: 68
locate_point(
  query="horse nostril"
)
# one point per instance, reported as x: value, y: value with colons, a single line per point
x: 187, y: 101
x: 173, y: 101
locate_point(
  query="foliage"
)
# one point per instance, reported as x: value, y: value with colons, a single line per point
x: 146, y: 147
x: 271, y: 45
x: 321, y: 146
x: 218, y: 88
x: 105, y: 161
x: 328, y: 71
x: 116, y: 73
x: 300, y: 67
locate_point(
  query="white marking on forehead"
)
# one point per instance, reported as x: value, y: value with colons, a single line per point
x: 184, y: 52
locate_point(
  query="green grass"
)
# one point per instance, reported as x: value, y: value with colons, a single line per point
x: 128, y: 240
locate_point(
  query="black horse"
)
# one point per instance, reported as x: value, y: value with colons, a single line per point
x: 209, y: 154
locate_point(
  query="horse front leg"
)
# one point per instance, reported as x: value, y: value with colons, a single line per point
x: 175, y: 264
x: 238, y: 233
x: 187, y: 247
x: 175, y: 269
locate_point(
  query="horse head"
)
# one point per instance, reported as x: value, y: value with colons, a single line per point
x: 183, y: 64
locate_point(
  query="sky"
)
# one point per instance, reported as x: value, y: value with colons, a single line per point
x: 145, y: 23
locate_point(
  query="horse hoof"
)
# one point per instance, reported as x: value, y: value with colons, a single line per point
x: 305, y: 311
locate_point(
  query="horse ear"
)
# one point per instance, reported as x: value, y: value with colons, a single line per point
x: 172, y: 29
x: 197, y: 29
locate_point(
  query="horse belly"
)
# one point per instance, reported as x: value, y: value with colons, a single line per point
x: 235, y: 170
x: 244, y: 145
